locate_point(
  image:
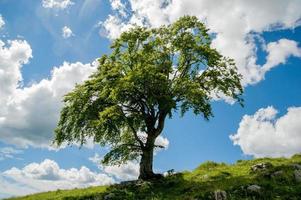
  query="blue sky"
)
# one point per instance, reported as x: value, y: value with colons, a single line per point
x: 46, y: 46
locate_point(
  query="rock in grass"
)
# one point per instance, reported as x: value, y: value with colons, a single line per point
x: 109, y: 196
x: 296, y: 166
x: 220, y: 195
x: 254, y: 188
x: 278, y: 174
x: 261, y: 167
x: 297, y: 175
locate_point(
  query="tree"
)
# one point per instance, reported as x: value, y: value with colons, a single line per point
x: 150, y: 74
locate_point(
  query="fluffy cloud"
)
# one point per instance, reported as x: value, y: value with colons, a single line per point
x: 123, y: 172
x: 128, y: 171
x: 47, y: 175
x: 263, y: 134
x: 112, y: 27
x: 279, y: 51
x: 2, y: 22
x: 12, y: 57
x: 57, y: 4
x: 66, y: 32
x: 160, y: 140
x: 119, y: 7
x: 236, y: 31
x: 10, y: 188
x: 8, y: 152
x: 28, y: 115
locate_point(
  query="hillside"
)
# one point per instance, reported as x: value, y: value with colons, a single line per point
x: 267, y: 178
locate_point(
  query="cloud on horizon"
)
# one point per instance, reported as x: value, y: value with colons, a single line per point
x: 265, y: 135
x: 48, y: 176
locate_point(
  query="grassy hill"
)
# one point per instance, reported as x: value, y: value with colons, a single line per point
x: 267, y: 178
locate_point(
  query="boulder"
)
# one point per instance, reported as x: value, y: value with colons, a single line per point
x: 109, y: 196
x: 297, y: 175
x: 220, y: 195
x: 254, y: 188
x: 261, y: 167
x: 296, y: 166
x: 277, y: 173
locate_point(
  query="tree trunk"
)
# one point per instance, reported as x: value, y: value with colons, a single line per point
x: 146, y: 164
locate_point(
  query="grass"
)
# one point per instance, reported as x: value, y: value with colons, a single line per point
x: 276, y: 182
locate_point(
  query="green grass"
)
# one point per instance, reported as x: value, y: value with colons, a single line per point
x: 200, y: 184
x: 65, y: 194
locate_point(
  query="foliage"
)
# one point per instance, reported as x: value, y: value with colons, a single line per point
x: 150, y: 73
x: 200, y: 184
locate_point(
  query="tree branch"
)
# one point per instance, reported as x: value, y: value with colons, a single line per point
x: 161, y: 121
x: 136, y: 136
x: 133, y: 130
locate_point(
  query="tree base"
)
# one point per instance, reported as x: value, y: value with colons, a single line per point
x: 150, y: 177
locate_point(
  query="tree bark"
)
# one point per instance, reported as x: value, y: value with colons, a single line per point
x: 146, y: 164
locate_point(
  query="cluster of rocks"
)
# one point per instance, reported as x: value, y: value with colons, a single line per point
x: 265, y: 168
x: 297, y: 172
x: 251, y: 189
x: 261, y: 167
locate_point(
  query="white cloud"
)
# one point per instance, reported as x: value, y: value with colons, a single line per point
x: 8, y: 152
x: 235, y: 30
x: 12, y: 57
x: 160, y: 140
x: 47, y: 175
x: 57, y: 4
x: 112, y: 27
x: 28, y: 115
x: 119, y: 7
x: 279, y: 51
x: 2, y: 22
x: 127, y: 171
x: 262, y: 134
x: 10, y: 188
x: 123, y: 172
x: 96, y: 159
x: 66, y: 32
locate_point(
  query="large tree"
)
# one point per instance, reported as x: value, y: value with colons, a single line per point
x: 150, y: 74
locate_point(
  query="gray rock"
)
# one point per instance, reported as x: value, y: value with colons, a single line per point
x: 254, y: 188
x: 277, y: 173
x: 297, y: 175
x: 261, y: 167
x: 97, y: 198
x: 296, y: 166
x: 220, y: 195
x: 109, y: 196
